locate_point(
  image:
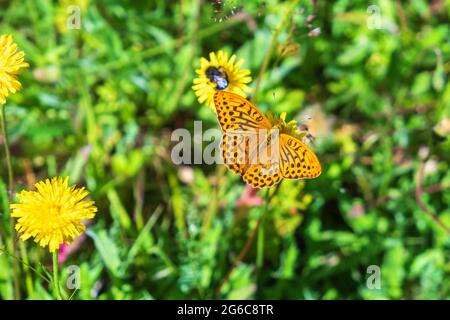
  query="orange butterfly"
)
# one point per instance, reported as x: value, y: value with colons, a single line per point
x: 248, y: 136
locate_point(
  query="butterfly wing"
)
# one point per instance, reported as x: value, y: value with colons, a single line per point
x: 237, y: 113
x: 235, y: 151
x: 262, y: 176
x: 240, y: 121
x: 265, y: 169
x: 297, y: 160
x: 238, y: 117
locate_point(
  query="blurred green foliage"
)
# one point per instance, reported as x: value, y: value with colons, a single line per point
x: 100, y: 103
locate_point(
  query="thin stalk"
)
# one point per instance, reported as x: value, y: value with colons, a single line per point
x: 7, y: 152
x: 139, y: 199
x: 260, y: 239
x: 162, y: 48
x: 12, y: 244
x: 250, y: 239
x: 418, y: 194
x: 21, y: 261
x: 28, y: 278
x: 272, y: 46
x: 214, y: 203
x: 56, y: 276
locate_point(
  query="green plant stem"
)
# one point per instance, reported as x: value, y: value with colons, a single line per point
x: 139, y: 199
x: 418, y: 194
x: 251, y: 238
x: 273, y: 44
x: 12, y: 244
x: 7, y: 152
x: 169, y: 45
x: 183, y: 78
x: 260, y: 238
x: 56, y: 276
x: 214, y: 203
x: 28, y: 278
x: 21, y: 261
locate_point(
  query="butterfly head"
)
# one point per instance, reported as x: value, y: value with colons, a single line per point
x: 218, y: 76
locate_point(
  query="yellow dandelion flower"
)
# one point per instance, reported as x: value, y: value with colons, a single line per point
x: 220, y: 73
x: 10, y: 64
x: 53, y: 214
x: 291, y: 128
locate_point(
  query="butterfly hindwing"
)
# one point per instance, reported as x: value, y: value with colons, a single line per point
x: 297, y: 160
x: 235, y: 152
x: 262, y: 176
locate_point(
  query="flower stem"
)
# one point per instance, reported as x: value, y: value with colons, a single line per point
x: 260, y: 237
x: 215, y: 197
x: 56, y: 276
x: 28, y: 278
x: 7, y: 152
x: 251, y: 238
x: 16, y: 268
x: 273, y: 44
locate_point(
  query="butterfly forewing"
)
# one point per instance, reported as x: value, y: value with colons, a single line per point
x: 237, y: 113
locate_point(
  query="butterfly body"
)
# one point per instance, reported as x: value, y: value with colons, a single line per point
x: 261, y: 151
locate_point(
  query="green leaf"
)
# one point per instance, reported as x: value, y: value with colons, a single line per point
x: 108, y: 251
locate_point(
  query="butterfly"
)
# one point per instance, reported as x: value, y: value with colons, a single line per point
x: 248, y: 136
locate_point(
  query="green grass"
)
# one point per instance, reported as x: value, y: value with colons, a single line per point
x: 100, y: 103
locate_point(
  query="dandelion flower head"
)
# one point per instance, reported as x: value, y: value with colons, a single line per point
x: 53, y: 214
x: 11, y: 62
x: 220, y: 73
